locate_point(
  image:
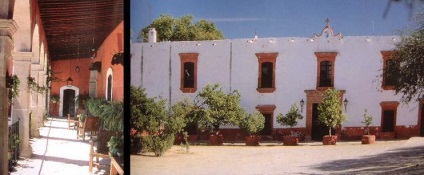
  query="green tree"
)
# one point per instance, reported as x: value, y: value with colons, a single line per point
x: 181, y: 29
x: 252, y: 123
x: 150, y: 116
x: 330, y: 110
x: 407, y: 70
x: 291, y: 118
x: 218, y: 108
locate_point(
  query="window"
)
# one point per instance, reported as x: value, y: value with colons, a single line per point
x: 109, y: 84
x: 325, y: 74
x: 268, y: 112
x: 188, y: 72
x: 325, y: 69
x: 266, y: 74
x: 388, y: 116
x: 388, y: 81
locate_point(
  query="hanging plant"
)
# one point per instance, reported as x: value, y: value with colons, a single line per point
x: 13, y: 85
x: 32, y: 85
x: 54, y: 98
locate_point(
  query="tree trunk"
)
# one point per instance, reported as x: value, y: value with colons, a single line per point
x: 329, y: 130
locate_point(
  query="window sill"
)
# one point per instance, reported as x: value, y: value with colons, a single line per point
x: 265, y: 90
x: 324, y: 88
x: 188, y: 90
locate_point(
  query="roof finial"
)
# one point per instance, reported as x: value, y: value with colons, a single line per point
x: 328, y: 22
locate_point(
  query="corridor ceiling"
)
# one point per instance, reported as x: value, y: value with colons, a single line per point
x: 74, y: 27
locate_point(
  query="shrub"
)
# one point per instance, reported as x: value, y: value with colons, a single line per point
x: 150, y: 116
x: 330, y: 110
x: 291, y: 118
x: 252, y: 123
x: 218, y: 108
x: 367, y: 121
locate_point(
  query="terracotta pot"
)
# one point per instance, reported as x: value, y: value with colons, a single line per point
x: 368, y: 139
x: 216, y: 140
x: 252, y: 140
x: 329, y: 140
x: 290, y: 140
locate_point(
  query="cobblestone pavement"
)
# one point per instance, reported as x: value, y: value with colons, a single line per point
x: 57, y: 151
x: 383, y: 157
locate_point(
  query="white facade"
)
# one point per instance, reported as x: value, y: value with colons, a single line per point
x: 234, y: 65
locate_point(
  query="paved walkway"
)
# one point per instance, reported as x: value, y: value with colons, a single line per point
x: 383, y: 157
x: 57, y: 151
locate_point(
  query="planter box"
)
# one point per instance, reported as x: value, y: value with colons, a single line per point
x: 252, y: 140
x: 329, y: 140
x: 368, y: 139
x: 216, y: 140
x: 290, y: 140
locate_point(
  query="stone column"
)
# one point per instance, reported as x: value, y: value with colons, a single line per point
x: 7, y: 28
x: 21, y: 105
x: 35, y: 111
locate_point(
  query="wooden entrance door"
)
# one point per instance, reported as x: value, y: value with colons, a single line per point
x: 319, y: 130
x: 268, y: 126
x: 68, y: 102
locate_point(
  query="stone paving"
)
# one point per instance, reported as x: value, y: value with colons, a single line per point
x: 57, y: 151
x: 383, y: 157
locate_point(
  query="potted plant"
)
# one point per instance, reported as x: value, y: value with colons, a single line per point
x: 290, y: 119
x: 217, y: 108
x: 252, y: 124
x: 115, y: 145
x: 330, y: 114
x: 367, y: 138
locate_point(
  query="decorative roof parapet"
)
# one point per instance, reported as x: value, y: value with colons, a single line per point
x: 327, y: 32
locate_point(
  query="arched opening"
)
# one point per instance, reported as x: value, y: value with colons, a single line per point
x: 109, y: 84
x: 67, y: 100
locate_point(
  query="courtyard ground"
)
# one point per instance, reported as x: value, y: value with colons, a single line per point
x: 57, y: 151
x: 383, y: 157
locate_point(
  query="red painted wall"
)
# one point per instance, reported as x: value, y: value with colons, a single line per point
x: 113, y: 44
x: 66, y: 68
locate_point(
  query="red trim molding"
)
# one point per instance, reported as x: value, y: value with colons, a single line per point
x: 188, y: 57
x: 266, y: 57
x: 325, y: 56
x: 387, y: 55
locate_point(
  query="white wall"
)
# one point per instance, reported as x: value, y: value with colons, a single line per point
x: 234, y: 65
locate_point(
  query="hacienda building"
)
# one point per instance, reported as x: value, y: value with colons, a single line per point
x: 271, y: 74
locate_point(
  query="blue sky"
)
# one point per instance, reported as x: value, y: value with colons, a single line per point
x: 282, y: 18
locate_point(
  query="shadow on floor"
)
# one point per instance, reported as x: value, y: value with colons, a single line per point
x: 393, y: 162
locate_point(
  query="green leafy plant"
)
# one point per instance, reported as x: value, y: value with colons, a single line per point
x: 13, y: 83
x: 150, y: 118
x: 81, y: 117
x: 291, y: 118
x: 217, y: 108
x: 367, y: 121
x: 115, y: 145
x: 54, y: 98
x: 95, y: 106
x: 32, y: 85
x: 330, y: 110
x: 252, y: 123
x: 112, y: 115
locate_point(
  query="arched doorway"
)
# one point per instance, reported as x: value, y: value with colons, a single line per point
x: 67, y: 100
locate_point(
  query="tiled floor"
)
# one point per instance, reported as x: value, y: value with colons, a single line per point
x: 58, y: 151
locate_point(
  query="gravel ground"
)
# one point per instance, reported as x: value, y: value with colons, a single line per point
x: 383, y: 157
x: 57, y: 151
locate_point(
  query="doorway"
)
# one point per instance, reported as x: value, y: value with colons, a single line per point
x: 388, y: 124
x: 319, y: 130
x: 69, y: 102
x: 267, y: 130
